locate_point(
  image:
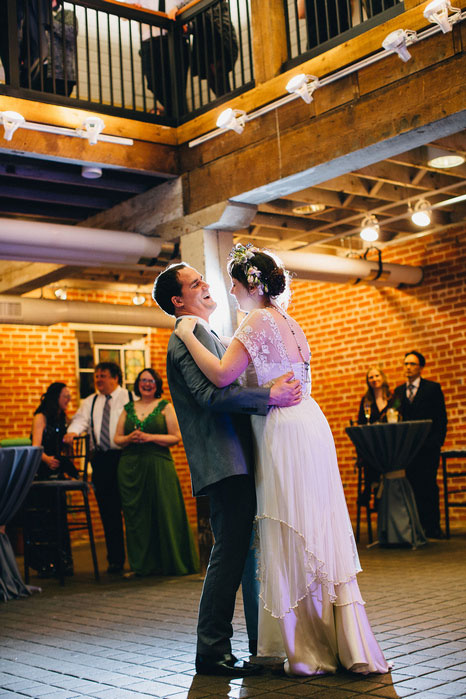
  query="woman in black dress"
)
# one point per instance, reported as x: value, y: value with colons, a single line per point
x: 48, y: 427
x: 373, y: 408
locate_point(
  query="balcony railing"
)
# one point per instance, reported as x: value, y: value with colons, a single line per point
x: 314, y: 26
x: 126, y: 61
x: 134, y: 63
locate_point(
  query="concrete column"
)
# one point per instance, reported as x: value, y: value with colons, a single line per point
x: 207, y: 251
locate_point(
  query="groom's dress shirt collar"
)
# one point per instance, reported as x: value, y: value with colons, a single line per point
x: 200, y: 321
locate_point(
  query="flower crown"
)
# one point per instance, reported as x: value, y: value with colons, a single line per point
x: 241, y: 256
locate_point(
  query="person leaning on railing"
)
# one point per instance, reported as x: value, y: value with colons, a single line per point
x: 155, y: 59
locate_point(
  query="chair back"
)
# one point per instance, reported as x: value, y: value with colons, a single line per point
x: 79, y: 453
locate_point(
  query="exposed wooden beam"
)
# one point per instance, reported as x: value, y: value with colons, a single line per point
x: 142, y: 156
x: 379, y: 125
x: 21, y: 277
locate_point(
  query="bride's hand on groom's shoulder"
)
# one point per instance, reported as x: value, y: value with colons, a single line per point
x: 185, y: 327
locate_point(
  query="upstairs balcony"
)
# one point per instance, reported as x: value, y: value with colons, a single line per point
x: 113, y: 58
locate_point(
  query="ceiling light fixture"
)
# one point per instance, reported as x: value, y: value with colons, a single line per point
x: 437, y: 13
x: 232, y: 119
x: 308, y: 209
x: 421, y: 214
x: 138, y: 299
x: 60, y: 294
x: 370, y: 228
x: 398, y: 40
x: 303, y: 85
x: 11, y: 121
x: 443, y: 159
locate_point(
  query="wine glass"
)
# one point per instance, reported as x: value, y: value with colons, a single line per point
x: 367, y: 411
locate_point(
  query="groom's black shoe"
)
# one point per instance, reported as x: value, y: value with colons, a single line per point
x: 226, y: 665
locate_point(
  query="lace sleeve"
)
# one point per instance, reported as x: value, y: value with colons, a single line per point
x: 259, y: 334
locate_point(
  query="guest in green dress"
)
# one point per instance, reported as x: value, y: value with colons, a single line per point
x: 159, y: 539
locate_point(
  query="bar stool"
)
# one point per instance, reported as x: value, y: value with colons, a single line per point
x: 460, y: 488
x: 78, y: 452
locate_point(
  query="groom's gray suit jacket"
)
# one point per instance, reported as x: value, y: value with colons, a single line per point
x: 214, y: 422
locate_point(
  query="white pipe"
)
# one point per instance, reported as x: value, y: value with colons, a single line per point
x: 20, y: 310
x: 52, y: 242
x: 309, y: 266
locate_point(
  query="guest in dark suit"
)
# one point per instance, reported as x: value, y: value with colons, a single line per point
x: 420, y: 399
x: 216, y: 432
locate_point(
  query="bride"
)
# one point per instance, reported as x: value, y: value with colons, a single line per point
x: 308, y: 558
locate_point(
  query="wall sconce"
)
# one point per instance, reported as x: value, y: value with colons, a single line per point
x: 11, y: 121
x: 437, y: 13
x: 370, y: 228
x: 421, y: 214
x: 303, y: 85
x: 60, y: 294
x: 138, y: 299
x: 443, y: 159
x: 232, y: 119
x: 398, y: 41
x: 91, y: 128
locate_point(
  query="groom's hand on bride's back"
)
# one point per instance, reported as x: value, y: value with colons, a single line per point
x: 285, y: 391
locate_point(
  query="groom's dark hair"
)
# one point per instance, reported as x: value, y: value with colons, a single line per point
x: 167, y: 285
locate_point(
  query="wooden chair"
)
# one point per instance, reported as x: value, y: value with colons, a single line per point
x: 450, y: 472
x: 78, y: 514
x: 369, y: 507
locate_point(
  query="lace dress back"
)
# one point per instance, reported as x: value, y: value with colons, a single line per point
x: 267, y: 334
x: 308, y: 559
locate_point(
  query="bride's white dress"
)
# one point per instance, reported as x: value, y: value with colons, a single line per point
x: 308, y: 556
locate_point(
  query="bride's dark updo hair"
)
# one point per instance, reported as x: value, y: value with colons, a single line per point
x: 258, y: 268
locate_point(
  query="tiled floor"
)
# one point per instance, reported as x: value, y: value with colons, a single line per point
x: 125, y: 639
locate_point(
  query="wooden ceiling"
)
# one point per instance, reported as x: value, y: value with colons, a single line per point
x: 385, y: 190
x: 43, y: 190
x: 49, y: 191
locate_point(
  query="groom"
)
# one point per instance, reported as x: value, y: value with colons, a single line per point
x: 216, y: 431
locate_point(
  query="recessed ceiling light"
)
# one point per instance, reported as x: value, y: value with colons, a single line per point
x: 308, y: 209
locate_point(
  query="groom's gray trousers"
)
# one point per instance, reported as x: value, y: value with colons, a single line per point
x: 232, y: 510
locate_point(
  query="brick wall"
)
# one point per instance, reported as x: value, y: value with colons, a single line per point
x: 31, y: 357
x: 349, y: 327
x: 352, y: 327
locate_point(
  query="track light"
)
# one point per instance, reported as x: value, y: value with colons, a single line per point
x: 233, y: 119
x: 91, y: 128
x: 443, y: 159
x: 437, y: 13
x: 303, y: 85
x: 11, y: 121
x: 421, y: 214
x: 398, y: 41
x: 60, y: 294
x: 370, y: 228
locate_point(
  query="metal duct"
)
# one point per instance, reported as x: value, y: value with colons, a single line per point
x: 309, y: 266
x: 20, y: 310
x: 73, y: 245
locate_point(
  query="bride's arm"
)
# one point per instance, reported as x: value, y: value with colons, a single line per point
x: 221, y: 372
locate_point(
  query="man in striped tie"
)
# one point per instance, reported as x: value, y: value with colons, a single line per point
x: 98, y: 415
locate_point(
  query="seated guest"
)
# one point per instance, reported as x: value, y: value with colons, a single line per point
x: 159, y: 539
x: 48, y: 429
x: 373, y: 408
